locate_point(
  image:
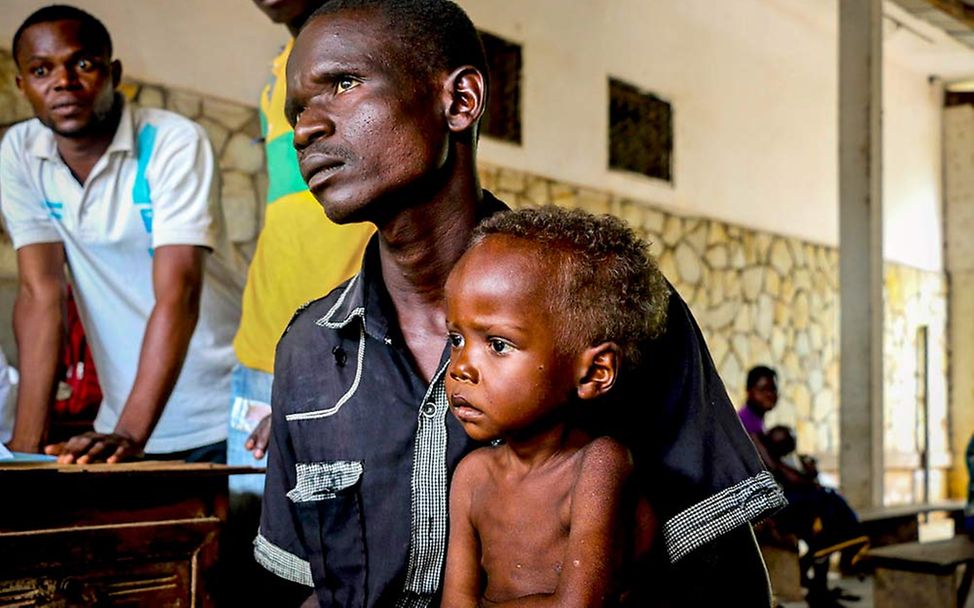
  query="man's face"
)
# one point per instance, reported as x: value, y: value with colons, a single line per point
x: 288, y: 12
x: 764, y: 393
x: 507, y: 374
x: 369, y: 132
x: 69, y: 82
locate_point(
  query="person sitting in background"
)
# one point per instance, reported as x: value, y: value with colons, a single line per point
x: 818, y: 515
x: 125, y: 198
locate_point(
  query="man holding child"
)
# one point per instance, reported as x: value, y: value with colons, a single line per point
x: 385, y: 98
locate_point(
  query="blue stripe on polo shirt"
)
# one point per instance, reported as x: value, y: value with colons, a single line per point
x: 55, y: 209
x: 141, y: 195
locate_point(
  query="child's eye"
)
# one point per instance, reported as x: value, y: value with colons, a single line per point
x: 499, y: 346
x: 39, y: 71
x: 456, y: 340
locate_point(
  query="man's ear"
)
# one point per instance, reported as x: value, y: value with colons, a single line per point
x: 466, y: 98
x: 19, y: 82
x: 116, y: 72
x: 598, y: 369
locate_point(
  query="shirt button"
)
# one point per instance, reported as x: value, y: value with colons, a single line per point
x: 429, y: 408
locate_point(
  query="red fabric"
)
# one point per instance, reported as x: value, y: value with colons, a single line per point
x: 79, y: 369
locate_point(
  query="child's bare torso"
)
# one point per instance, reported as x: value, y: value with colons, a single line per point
x: 523, y: 519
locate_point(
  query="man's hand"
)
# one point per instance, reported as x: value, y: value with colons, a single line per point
x: 257, y: 442
x: 95, y: 447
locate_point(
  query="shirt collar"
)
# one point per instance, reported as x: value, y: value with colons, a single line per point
x: 365, y: 297
x: 45, y: 146
x: 362, y: 298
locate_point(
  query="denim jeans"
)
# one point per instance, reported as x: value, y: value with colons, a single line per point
x: 250, y: 402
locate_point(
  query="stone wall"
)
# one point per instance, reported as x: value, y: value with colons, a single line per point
x: 759, y: 298
x: 767, y: 299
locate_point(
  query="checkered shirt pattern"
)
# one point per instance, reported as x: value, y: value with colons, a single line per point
x: 707, y: 520
x: 282, y: 563
x: 427, y: 545
x: 323, y: 480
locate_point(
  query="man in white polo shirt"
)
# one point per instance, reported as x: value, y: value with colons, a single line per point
x: 126, y: 199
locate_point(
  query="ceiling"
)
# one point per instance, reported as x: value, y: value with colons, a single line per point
x: 937, y: 23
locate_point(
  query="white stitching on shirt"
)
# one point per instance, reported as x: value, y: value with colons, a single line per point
x: 326, y: 321
x: 348, y: 395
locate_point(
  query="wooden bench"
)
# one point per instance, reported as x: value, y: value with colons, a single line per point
x: 911, y: 575
x: 901, y: 523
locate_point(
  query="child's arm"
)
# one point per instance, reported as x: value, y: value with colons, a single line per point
x: 596, y: 544
x: 463, y: 581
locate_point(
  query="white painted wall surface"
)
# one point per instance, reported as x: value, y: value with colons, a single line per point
x: 752, y: 83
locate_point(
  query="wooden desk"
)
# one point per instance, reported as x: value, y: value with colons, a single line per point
x: 136, y: 534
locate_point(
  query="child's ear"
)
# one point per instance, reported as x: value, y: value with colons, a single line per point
x: 598, y: 369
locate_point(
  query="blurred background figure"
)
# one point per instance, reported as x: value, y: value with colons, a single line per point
x: 816, y: 514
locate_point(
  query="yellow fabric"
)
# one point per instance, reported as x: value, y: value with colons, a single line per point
x: 300, y: 254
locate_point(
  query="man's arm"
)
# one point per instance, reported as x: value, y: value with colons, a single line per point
x: 177, y: 277
x: 39, y: 330
x: 785, y: 473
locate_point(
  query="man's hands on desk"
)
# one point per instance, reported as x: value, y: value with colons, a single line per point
x: 95, y: 447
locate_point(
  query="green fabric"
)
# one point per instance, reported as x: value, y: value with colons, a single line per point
x: 283, y: 173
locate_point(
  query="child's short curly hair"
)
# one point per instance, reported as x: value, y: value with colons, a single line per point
x: 606, y: 282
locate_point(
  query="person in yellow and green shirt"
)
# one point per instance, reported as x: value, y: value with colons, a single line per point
x: 301, y: 255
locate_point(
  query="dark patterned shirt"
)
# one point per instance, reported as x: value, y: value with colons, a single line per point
x: 362, y: 449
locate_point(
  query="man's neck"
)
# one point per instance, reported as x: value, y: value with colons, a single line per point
x: 417, y: 249
x: 756, y: 409
x: 81, y: 153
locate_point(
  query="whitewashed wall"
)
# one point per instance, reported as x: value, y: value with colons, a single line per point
x: 752, y: 82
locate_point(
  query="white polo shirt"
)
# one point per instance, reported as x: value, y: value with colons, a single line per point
x: 154, y: 186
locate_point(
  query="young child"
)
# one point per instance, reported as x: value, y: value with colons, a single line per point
x: 545, y: 311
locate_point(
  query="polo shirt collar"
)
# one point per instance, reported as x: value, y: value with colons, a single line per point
x: 45, y: 146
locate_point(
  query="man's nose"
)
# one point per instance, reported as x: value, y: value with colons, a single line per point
x: 312, y: 124
x: 65, y: 77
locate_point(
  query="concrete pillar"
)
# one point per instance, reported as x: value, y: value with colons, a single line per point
x: 861, y: 251
x: 958, y: 228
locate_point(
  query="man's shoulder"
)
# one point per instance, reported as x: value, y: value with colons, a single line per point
x: 21, y: 134
x: 319, y: 312
x: 169, y: 126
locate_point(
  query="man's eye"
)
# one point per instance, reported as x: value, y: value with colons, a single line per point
x: 39, y: 71
x: 346, y: 83
x: 456, y: 340
x: 500, y: 347
x: 84, y: 64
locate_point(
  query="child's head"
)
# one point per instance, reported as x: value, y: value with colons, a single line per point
x: 780, y: 441
x: 545, y: 307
